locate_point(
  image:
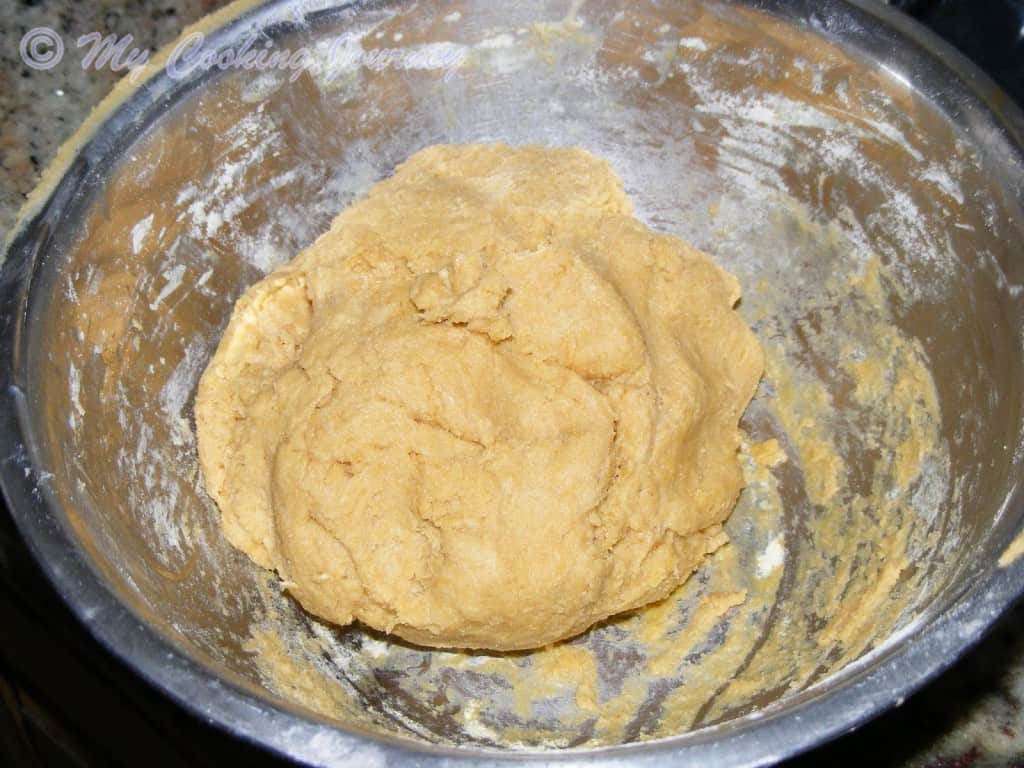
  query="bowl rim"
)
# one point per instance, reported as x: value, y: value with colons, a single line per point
x: 865, y: 688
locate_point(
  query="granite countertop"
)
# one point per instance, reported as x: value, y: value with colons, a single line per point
x: 971, y: 716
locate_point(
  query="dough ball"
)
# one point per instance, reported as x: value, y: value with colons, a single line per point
x: 487, y: 409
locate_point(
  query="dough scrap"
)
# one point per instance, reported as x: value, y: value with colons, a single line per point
x: 487, y: 409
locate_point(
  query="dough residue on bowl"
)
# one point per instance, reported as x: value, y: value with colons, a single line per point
x: 689, y: 661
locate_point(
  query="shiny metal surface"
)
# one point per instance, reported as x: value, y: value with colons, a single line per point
x: 108, y: 320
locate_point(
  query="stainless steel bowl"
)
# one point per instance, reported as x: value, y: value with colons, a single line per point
x: 862, y: 179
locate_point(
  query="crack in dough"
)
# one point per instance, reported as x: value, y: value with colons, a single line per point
x: 487, y: 409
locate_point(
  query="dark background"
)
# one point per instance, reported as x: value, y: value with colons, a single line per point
x: 65, y: 701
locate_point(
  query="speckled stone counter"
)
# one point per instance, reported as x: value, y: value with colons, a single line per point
x: 971, y: 716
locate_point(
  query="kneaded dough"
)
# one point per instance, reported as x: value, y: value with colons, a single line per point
x: 486, y: 409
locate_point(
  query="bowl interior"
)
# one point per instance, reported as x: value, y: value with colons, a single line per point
x: 873, y: 231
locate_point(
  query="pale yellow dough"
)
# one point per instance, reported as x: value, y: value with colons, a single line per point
x: 486, y: 409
